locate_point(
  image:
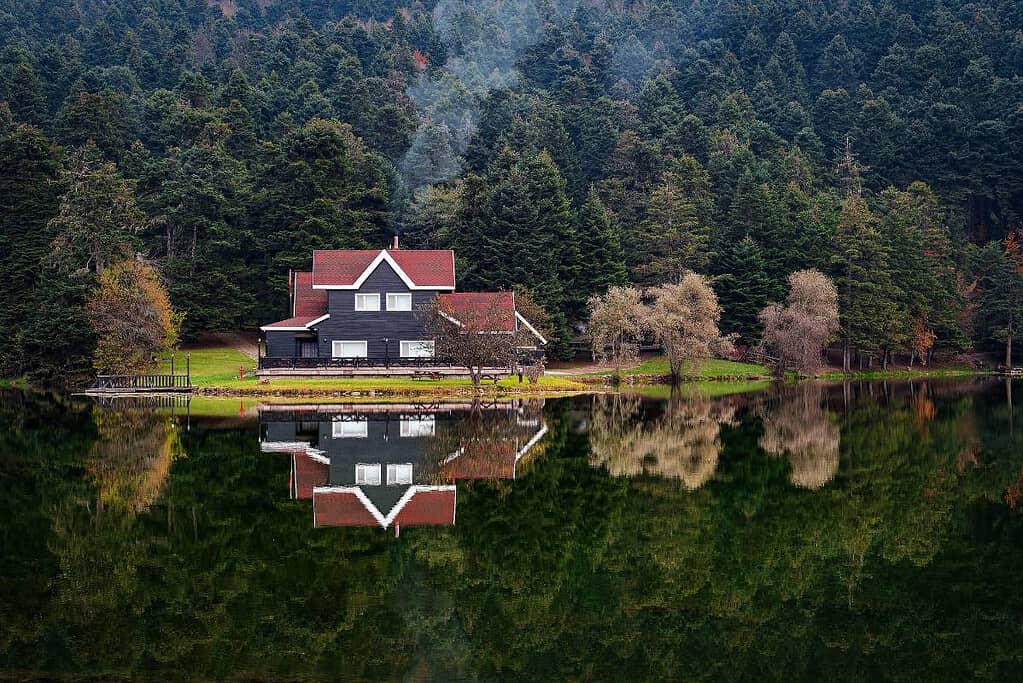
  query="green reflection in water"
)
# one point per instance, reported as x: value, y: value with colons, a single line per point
x: 854, y: 532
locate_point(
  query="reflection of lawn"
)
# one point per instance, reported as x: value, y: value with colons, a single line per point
x: 710, y: 368
x: 699, y: 389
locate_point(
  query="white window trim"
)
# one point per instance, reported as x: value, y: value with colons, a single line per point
x: 397, y: 294
x: 392, y: 474
x: 402, y: 346
x: 334, y: 346
x: 362, y: 469
x: 338, y: 429
x: 375, y: 296
x: 414, y: 427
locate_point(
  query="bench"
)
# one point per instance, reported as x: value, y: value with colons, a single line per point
x: 426, y: 374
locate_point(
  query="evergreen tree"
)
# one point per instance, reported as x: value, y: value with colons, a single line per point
x: 28, y: 199
x: 516, y: 227
x: 744, y: 288
x: 601, y: 257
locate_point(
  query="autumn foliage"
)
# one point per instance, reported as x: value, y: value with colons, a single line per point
x: 132, y: 317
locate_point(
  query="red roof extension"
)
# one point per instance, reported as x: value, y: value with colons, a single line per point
x: 492, y: 311
x: 309, y: 303
x: 425, y: 267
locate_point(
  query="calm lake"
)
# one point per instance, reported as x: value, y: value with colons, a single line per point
x: 862, y: 531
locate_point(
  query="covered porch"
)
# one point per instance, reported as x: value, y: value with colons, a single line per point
x: 270, y: 366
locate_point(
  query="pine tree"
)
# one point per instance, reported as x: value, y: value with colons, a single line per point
x: 515, y: 227
x: 744, y: 289
x: 676, y: 233
x: 28, y: 199
x: 602, y: 259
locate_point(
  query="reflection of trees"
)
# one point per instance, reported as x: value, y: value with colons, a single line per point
x: 132, y: 458
x: 798, y: 426
x: 682, y: 443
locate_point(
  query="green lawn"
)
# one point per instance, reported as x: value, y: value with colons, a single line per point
x: 211, y: 365
x: 709, y: 369
x: 218, y: 367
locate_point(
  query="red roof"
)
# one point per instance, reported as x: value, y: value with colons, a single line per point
x: 491, y: 311
x: 424, y: 267
x: 308, y: 473
x: 428, y: 508
x: 308, y: 301
x: 340, y: 508
x: 298, y: 321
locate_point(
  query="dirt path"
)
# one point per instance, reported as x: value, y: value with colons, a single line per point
x: 236, y: 340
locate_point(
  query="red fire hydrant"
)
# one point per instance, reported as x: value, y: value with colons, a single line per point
x: 241, y: 373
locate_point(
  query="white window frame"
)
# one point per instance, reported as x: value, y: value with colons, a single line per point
x: 335, y: 353
x: 367, y: 474
x: 412, y: 427
x: 404, y: 346
x: 362, y: 302
x: 349, y: 429
x: 407, y: 295
x: 399, y: 474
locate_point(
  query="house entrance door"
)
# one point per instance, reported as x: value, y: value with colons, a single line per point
x: 307, y: 348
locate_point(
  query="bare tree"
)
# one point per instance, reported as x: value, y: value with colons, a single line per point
x: 683, y: 317
x: 798, y: 331
x: 616, y: 325
x: 475, y: 337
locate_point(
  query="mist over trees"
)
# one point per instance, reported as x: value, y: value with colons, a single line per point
x: 560, y: 145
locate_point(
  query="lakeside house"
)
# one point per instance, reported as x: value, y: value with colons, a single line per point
x: 363, y: 310
x: 395, y: 465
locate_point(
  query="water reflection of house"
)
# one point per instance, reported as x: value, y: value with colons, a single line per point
x: 396, y: 465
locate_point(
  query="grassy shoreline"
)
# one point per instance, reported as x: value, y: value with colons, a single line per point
x: 225, y: 372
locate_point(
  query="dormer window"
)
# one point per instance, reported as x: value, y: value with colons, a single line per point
x: 399, y: 302
x: 367, y: 302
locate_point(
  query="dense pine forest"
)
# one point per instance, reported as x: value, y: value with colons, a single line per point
x: 563, y: 146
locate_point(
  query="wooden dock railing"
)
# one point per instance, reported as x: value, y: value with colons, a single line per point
x: 142, y: 383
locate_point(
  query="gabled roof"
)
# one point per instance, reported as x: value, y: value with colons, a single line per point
x: 418, y: 268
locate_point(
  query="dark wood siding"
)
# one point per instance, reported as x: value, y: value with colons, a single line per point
x: 347, y: 324
x: 281, y: 343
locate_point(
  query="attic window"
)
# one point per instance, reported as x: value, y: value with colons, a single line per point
x: 399, y: 302
x: 367, y: 302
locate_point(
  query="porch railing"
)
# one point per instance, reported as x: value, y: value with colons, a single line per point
x: 290, y: 363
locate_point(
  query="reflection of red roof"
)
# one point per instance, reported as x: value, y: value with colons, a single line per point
x: 424, y: 267
x: 340, y: 508
x: 491, y: 311
x: 308, y: 473
x: 421, y: 506
x: 308, y: 301
x: 489, y: 459
x: 436, y: 507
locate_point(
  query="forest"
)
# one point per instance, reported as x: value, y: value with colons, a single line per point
x: 564, y: 146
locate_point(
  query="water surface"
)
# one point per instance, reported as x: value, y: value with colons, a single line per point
x: 856, y: 532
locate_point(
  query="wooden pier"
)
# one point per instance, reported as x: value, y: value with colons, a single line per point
x: 151, y: 383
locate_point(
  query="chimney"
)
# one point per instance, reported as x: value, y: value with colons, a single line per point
x: 394, y: 245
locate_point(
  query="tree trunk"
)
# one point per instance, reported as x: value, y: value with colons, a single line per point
x: 1008, y: 350
x: 912, y: 357
x: 884, y: 359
